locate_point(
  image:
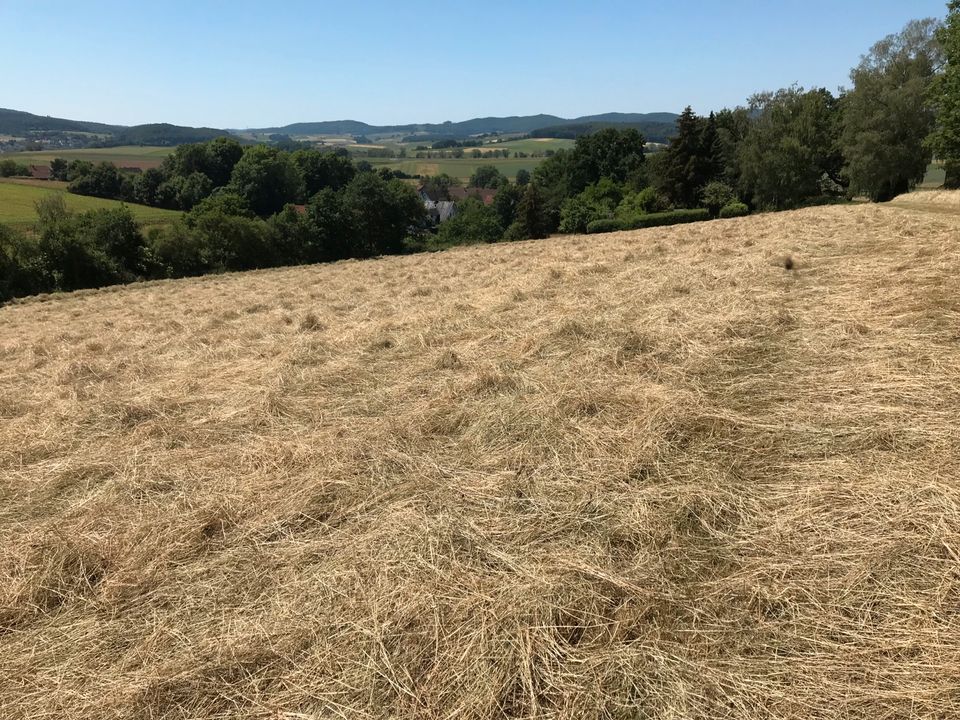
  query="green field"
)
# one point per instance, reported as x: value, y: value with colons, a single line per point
x: 123, y: 156
x: 461, y: 168
x: 17, y: 204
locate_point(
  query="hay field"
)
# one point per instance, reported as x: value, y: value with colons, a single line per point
x: 640, y: 475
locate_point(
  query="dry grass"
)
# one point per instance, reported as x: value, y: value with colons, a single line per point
x: 639, y: 475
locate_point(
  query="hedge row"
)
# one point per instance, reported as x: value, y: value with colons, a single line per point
x: 734, y: 209
x: 675, y: 217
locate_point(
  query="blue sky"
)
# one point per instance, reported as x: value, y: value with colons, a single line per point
x: 257, y: 64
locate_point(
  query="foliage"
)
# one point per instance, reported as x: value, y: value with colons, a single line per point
x: 674, y: 217
x: 91, y: 249
x: 321, y: 170
x: 438, y: 186
x: 716, y: 195
x: 886, y: 119
x: 646, y: 201
x: 102, y: 180
x: 266, y: 178
x: 791, y: 146
x: 380, y: 214
x: 532, y: 220
x: 691, y: 160
x: 487, y: 176
x: 578, y: 212
x: 523, y: 177
x: 11, y: 168
x: 21, y: 266
x: 945, y: 95
x: 473, y: 223
x: 734, y: 209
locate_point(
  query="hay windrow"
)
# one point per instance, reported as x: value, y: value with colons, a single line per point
x: 639, y: 475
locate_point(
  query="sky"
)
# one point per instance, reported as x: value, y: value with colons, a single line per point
x: 242, y: 64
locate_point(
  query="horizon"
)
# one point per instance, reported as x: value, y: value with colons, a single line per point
x: 359, y: 71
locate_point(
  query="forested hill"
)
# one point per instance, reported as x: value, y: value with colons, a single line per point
x: 513, y: 124
x: 655, y: 126
x: 165, y: 134
x: 18, y: 123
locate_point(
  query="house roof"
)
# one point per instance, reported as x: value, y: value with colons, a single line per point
x: 40, y: 172
x: 486, y: 195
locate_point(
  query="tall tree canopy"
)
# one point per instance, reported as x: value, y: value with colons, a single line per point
x: 791, y: 148
x: 886, y: 117
x: 946, y: 97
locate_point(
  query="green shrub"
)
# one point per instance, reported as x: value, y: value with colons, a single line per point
x: 605, y: 225
x: 734, y: 209
x: 578, y: 212
x: 641, y: 203
x: 675, y: 217
x: 716, y: 195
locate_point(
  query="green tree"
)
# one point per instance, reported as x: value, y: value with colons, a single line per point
x: 486, y: 176
x: 267, y: 179
x: 322, y: 170
x: 685, y: 166
x: 380, y: 214
x: 104, y: 180
x: 886, y: 117
x: 473, y: 223
x: 438, y: 187
x: 791, y: 148
x: 58, y: 169
x: 523, y: 177
x: 945, y: 94
x: 532, y: 216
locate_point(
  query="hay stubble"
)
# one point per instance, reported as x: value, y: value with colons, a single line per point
x: 641, y: 475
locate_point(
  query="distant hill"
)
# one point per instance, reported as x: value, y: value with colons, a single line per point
x: 656, y: 127
x: 658, y: 132
x: 165, y: 134
x: 18, y: 123
x: 476, y: 126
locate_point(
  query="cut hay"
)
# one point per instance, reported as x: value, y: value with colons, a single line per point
x: 640, y: 475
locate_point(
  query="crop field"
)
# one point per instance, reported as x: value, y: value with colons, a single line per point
x: 124, y: 156
x: 653, y: 474
x: 18, y: 200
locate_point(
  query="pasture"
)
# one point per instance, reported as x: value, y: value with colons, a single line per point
x: 124, y: 156
x: 18, y: 203
x: 654, y: 474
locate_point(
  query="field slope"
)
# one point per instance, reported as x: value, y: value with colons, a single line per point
x: 640, y: 475
x: 18, y: 199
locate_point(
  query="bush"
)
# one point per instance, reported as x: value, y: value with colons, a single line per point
x: 734, y: 209
x: 716, y: 195
x: 11, y: 168
x: 474, y: 223
x: 641, y: 203
x: 676, y: 217
x: 605, y: 225
x: 577, y: 213
x: 21, y: 266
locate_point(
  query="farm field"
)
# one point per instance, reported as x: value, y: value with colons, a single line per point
x: 123, y: 156
x: 651, y: 474
x: 461, y: 168
x: 18, y: 200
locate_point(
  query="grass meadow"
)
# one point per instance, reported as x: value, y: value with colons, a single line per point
x: 641, y: 474
x: 124, y: 156
x: 18, y: 200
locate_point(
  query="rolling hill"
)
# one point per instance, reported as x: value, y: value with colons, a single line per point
x: 639, y: 475
x: 514, y: 124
